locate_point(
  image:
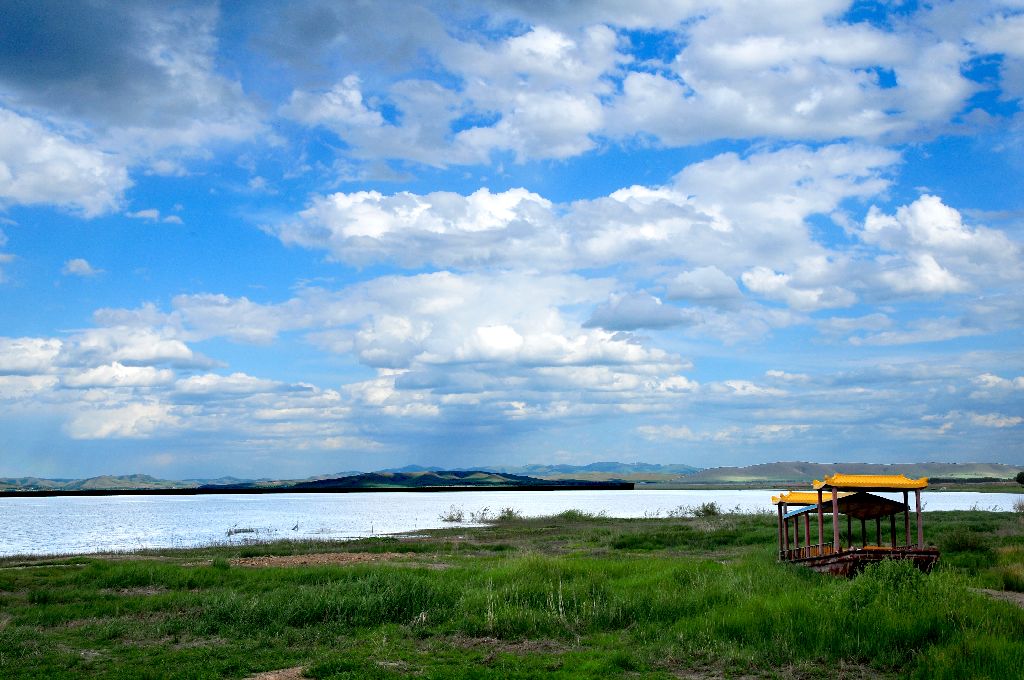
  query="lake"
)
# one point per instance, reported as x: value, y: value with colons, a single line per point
x: 123, y: 523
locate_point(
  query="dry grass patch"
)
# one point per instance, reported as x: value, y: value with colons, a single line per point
x: 139, y: 591
x: 317, y: 559
x: 521, y: 647
x: 281, y: 674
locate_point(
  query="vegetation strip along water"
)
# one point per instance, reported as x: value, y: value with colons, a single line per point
x: 571, y: 596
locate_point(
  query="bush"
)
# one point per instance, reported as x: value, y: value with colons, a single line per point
x: 509, y: 515
x: 710, y: 509
x: 574, y: 515
x: 965, y: 540
x: 453, y: 514
x: 1020, y: 477
x: 1013, y: 578
x: 968, y: 550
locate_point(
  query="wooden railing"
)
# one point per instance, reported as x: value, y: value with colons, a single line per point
x: 806, y: 551
x: 809, y: 551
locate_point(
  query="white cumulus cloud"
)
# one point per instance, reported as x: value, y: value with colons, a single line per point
x: 39, y: 166
x: 79, y: 267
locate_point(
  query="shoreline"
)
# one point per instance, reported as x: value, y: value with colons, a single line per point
x: 210, y: 491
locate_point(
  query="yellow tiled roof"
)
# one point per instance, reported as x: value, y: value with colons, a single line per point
x: 801, y: 497
x: 894, y: 482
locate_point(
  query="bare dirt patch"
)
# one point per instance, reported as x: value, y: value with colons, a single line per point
x: 842, y: 670
x: 280, y: 674
x: 508, y: 646
x: 317, y: 559
x: 147, y: 590
x: 1005, y: 595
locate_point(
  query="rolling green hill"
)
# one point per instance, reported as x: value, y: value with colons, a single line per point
x: 804, y: 472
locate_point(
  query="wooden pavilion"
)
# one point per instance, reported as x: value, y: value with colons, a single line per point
x: 852, y: 496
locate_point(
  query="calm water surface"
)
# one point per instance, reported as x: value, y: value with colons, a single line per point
x: 123, y: 523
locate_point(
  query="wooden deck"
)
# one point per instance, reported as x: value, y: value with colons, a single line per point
x: 852, y: 561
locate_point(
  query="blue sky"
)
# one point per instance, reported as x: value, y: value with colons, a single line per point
x: 269, y: 239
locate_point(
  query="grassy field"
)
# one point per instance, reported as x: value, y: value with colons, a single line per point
x: 571, y: 596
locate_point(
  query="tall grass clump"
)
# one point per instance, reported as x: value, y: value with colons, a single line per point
x: 508, y: 514
x: 708, y: 509
x: 969, y: 550
x: 453, y: 514
x: 573, y: 515
x: 882, y: 618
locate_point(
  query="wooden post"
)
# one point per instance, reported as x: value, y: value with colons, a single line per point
x: 849, y: 531
x: 821, y: 524
x: 807, y: 532
x: 878, y: 531
x: 863, y: 534
x: 920, y: 527
x: 785, y: 530
x: 780, y: 530
x: 892, y: 528
x: 836, y: 547
x: 796, y: 534
x: 906, y: 518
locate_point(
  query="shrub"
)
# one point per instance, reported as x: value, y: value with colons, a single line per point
x: 969, y: 550
x: 509, y: 514
x: 709, y: 509
x: 964, y: 540
x: 574, y: 515
x: 1013, y: 578
x: 453, y: 514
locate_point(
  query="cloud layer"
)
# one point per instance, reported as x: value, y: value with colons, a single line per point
x: 706, y: 232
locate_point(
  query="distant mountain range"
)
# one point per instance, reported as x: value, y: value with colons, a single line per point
x: 417, y: 479
x: 804, y: 472
x: 605, y: 467
x: 418, y: 476
x: 601, y: 471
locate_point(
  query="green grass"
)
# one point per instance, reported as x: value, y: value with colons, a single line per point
x: 571, y: 596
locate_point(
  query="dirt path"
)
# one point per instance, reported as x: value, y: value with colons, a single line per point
x: 280, y: 674
x: 316, y: 559
x: 1006, y: 595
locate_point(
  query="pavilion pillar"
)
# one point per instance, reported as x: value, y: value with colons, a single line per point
x: 906, y: 519
x: 796, y: 533
x: 821, y: 524
x: 780, y: 531
x: 785, y: 531
x: 920, y: 527
x: 892, y: 528
x: 863, y: 534
x: 849, y: 531
x: 807, y: 532
x: 836, y: 547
